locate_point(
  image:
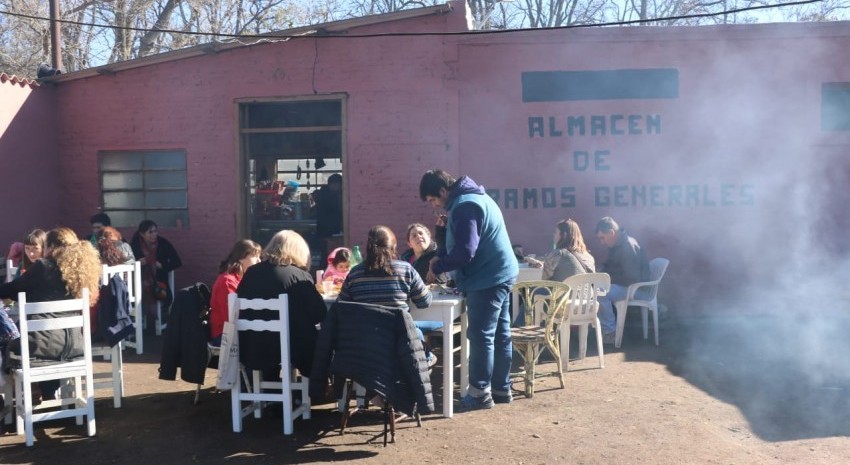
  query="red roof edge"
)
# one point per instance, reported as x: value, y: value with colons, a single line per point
x: 23, y: 82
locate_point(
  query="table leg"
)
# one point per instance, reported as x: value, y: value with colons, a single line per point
x: 448, y: 363
x: 464, y: 355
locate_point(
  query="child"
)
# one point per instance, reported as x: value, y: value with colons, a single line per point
x: 339, y: 262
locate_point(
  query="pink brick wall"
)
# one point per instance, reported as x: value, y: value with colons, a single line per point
x: 395, y: 101
x: 747, y: 114
x: 28, y: 158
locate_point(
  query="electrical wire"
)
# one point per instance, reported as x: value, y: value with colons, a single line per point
x: 414, y: 34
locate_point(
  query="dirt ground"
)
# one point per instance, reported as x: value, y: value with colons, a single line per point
x: 720, y: 390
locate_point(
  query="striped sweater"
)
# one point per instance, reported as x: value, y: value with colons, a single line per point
x: 391, y: 291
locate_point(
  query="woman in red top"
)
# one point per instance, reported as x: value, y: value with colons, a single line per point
x: 244, y: 254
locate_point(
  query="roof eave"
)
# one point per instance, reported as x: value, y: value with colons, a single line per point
x: 216, y: 47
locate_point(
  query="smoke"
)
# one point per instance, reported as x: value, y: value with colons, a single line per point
x: 772, y: 340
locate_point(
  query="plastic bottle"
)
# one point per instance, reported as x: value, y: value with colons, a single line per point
x: 356, y: 258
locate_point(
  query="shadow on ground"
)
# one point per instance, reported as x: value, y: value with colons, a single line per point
x: 788, y: 374
x: 167, y: 428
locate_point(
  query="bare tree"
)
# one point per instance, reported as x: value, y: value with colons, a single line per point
x: 104, y: 31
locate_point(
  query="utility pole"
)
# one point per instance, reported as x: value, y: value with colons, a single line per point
x: 55, y: 35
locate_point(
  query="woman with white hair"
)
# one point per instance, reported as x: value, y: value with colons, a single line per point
x: 284, y: 270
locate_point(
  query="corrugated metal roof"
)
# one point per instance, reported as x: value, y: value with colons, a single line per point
x: 215, y: 47
x: 23, y: 82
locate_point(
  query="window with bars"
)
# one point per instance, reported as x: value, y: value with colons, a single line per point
x: 138, y: 185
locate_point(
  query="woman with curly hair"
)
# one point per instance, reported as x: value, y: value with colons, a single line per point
x: 284, y: 270
x: 67, y: 268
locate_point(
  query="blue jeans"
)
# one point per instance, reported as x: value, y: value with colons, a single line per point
x: 606, y: 307
x: 489, y: 335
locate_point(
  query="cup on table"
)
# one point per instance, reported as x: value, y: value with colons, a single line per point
x: 327, y: 287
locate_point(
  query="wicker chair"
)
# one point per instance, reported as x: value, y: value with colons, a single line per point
x: 545, y: 304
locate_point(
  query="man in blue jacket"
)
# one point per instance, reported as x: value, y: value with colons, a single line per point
x: 474, y: 244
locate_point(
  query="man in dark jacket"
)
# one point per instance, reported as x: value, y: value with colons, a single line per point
x: 626, y: 264
x: 474, y: 243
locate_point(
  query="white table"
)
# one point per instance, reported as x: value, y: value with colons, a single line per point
x: 446, y: 308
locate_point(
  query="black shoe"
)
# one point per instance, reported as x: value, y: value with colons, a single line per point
x: 469, y: 403
x: 503, y: 399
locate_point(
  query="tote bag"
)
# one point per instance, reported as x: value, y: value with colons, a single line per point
x: 228, y: 359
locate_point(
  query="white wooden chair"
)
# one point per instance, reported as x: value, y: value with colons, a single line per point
x: 77, y: 399
x: 582, y: 310
x: 644, y: 295
x: 289, y: 380
x: 114, y: 379
x: 132, y: 275
x: 11, y: 271
x: 161, y: 324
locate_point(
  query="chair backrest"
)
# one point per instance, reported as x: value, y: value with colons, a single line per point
x: 281, y: 325
x: 65, y: 314
x: 584, y: 288
x: 657, y: 268
x: 9, y: 271
x: 131, y: 274
x: 543, y: 300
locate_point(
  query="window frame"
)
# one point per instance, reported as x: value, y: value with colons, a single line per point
x: 144, y: 211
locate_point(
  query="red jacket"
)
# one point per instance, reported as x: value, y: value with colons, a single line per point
x: 224, y: 284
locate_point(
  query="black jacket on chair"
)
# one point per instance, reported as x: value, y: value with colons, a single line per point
x: 377, y: 347
x: 185, y: 343
x: 113, y: 316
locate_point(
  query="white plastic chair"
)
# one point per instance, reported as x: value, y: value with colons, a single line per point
x: 289, y: 381
x: 644, y: 295
x: 70, y: 314
x: 160, y: 323
x: 132, y: 275
x: 582, y: 311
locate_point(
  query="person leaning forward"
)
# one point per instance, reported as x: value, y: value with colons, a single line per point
x: 474, y: 243
x: 626, y: 264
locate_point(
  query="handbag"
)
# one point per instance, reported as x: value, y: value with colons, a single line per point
x: 159, y: 290
x: 228, y: 358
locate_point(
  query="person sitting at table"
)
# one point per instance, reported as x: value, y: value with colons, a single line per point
x: 422, y: 250
x: 33, y: 250
x: 113, y: 250
x: 243, y: 255
x: 339, y: 264
x: 69, y: 265
x: 383, y: 280
x: 98, y: 221
x: 158, y: 258
x: 284, y: 270
x: 570, y: 256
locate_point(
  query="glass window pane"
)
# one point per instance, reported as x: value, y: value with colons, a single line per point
x: 166, y: 199
x: 126, y: 218
x: 120, y: 161
x: 113, y: 181
x: 165, y: 160
x: 292, y: 114
x: 165, y: 179
x: 289, y: 145
x: 170, y: 218
x: 123, y: 200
